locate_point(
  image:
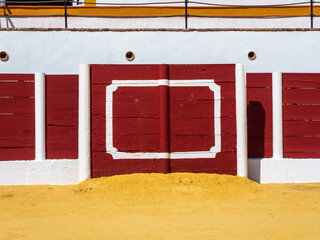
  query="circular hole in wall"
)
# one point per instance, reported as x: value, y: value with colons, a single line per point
x: 130, y: 56
x: 3, y: 56
x: 252, y: 55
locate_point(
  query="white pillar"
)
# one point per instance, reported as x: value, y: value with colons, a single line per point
x: 241, y: 116
x: 277, y: 115
x: 84, y: 134
x: 40, y: 115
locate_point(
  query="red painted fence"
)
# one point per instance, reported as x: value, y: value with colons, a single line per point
x: 17, y: 117
x: 17, y: 123
x: 62, y: 116
x: 136, y: 112
x: 301, y: 115
x: 160, y: 119
x: 259, y: 113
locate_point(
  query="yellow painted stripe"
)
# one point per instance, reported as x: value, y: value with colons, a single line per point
x: 89, y: 3
x: 161, y: 11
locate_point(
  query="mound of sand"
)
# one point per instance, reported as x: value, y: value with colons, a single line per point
x: 157, y: 206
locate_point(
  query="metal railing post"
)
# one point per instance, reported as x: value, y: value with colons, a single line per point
x: 186, y: 13
x: 65, y: 14
x: 311, y: 13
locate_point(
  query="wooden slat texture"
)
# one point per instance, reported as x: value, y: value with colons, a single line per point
x: 300, y: 112
x: 259, y: 113
x: 191, y: 119
x: 135, y: 115
x: 301, y: 128
x: 301, y: 144
x: 301, y: 99
x: 16, y: 77
x: 304, y: 96
x: 16, y: 153
x: 301, y: 154
x: 62, y: 116
x: 259, y: 80
x: 301, y: 80
x: 17, y: 105
x: 17, y: 132
x: 17, y: 89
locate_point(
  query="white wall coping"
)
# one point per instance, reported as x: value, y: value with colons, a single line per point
x: 285, y: 170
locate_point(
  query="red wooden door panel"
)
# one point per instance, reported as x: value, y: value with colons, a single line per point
x: 127, y: 133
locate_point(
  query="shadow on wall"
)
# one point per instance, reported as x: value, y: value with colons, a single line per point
x: 256, y: 129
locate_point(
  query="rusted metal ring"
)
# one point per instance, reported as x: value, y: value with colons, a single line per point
x: 130, y: 56
x: 252, y: 55
x: 4, y: 56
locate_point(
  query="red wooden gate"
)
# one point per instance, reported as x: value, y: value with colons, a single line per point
x: 161, y: 118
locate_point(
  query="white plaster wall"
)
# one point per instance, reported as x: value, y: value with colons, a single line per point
x: 163, y: 23
x: 55, y: 52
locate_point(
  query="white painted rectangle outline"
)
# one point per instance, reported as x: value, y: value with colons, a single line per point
x: 171, y: 83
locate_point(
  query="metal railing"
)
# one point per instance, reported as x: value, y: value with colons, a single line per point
x: 186, y: 3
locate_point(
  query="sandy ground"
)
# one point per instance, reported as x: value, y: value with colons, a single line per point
x: 156, y: 206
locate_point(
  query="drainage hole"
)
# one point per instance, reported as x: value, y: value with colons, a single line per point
x: 129, y: 56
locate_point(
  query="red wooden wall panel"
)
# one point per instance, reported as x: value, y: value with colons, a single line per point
x: 101, y: 76
x: 301, y: 115
x: 17, y: 117
x: 259, y: 113
x: 62, y: 116
x: 136, y: 118
x: 224, y: 76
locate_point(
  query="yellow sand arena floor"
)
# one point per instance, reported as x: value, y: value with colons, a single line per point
x: 156, y: 206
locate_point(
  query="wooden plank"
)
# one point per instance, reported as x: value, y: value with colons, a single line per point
x: 17, y: 142
x: 301, y: 144
x: 62, y: 142
x: 23, y: 153
x: 17, y: 89
x: 259, y: 80
x: 135, y: 125
x: 62, y: 116
x: 62, y: 83
x: 223, y: 164
x: 17, y: 105
x: 259, y: 118
x: 301, y: 154
x: 135, y: 94
x: 262, y: 95
x: 106, y: 73
x: 301, y: 80
x: 301, y: 96
x: 300, y: 112
x: 221, y: 73
x: 17, y: 122
x: 301, y: 128
x: 62, y: 100
x: 20, y: 77
x: 191, y: 94
x: 136, y: 142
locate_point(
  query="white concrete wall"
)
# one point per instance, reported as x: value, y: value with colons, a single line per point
x: 162, y: 23
x: 55, y: 52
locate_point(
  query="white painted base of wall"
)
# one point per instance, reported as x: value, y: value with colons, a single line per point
x: 51, y: 172
x: 287, y: 170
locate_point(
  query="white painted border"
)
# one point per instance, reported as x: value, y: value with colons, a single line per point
x: 285, y: 170
x: 172, y: 83
x: 40, y: 115
x: 84, y: 135
x: 53, y: 172
x: 277, y: 119
x: 241, y: 115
